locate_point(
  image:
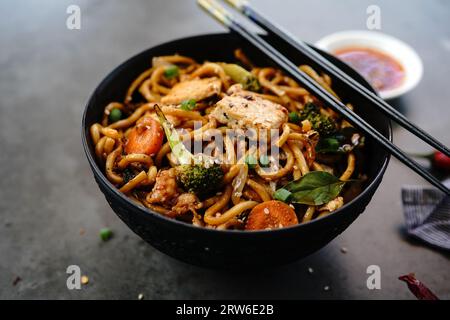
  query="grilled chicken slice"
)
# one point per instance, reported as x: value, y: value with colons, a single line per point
x: 197, y: 89
x: 244, y: 109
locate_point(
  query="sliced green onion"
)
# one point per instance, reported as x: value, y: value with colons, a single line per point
x: 105, y: 234
x: 282, y: 194
x: 242, y: 76
x: 264, y: 161
x: 294, y: 117
x: 251, y: 161
x: 115, y: 115
x: 175, y: 143
x: 188, y: 105
x: 171, y: 72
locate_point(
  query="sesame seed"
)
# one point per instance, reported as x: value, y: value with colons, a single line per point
x: 266, y: 211
x: 344, y: 250
x: 141, y: 296
x: 326, y: 288
x: 310, y: 270
x: 84, y: 279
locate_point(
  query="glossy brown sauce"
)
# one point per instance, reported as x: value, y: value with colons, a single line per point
x: 381, y: 70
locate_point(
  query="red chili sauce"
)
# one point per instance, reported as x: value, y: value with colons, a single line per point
x: 381, y: 70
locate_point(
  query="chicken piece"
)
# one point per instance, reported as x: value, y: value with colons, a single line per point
x: 197, y: 89
x: 333, y: 205
x: 165, y: 189
x: 186, y: 202
x: 244, y: 109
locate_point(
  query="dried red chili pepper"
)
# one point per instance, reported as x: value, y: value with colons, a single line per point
x: 418, y: 288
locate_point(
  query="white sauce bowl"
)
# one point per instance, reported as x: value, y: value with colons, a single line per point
x: 400, y: 51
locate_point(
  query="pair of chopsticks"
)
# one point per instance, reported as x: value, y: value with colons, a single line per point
x: 217, y: 11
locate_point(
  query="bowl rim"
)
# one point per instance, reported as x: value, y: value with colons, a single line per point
x: 146, y: 211
x: 379, y: 41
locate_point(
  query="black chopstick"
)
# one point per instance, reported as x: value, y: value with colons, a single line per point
x: 218, y: 12
x: 328, y: 67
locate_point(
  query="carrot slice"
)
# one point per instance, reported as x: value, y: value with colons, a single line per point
x: 271, y: 215
x: 146, y: 137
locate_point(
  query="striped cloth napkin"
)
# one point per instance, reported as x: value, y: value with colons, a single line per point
x: 427, y: 215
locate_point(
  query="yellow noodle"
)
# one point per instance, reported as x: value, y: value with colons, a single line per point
x: 309, y: 214
x: 95, y: 132
x: 133, y: 183
x: 281, y: 172
x: 110, y: 160
x: 220, y: 204
x: 303, y: 166
x: 350, y: 167
x: 231, y: 213
x: 133, y: 118
x: 259, y: 189
x: 284, y: 136
x: 134, y: 157
x: 144, y: 75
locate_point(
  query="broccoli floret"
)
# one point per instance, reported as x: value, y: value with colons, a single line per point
x: 321, y: 123
x: 199, y: 179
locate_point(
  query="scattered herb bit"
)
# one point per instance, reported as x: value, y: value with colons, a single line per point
x: 105, y: 234
x: 314, y: 188
x: 128, y: 174
x: 282, y: 195
x: 264, y: 161
x: 418, y: 288
x: 115, y: 115
x: 251, y: 161
x: 188, y: 105
x: 171, y: 72
x: 84, y: 280
x: 328, y: 145
x: 294, y: 117
x: 242, y: 76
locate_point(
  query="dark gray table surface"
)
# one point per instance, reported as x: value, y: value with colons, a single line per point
x: 48, y: 194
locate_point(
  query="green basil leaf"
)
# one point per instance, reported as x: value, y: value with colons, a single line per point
x: 315, y: 188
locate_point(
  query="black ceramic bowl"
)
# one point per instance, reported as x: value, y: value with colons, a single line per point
x: 226, y: 249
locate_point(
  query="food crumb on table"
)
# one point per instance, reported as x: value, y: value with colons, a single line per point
x: 16, y: 280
